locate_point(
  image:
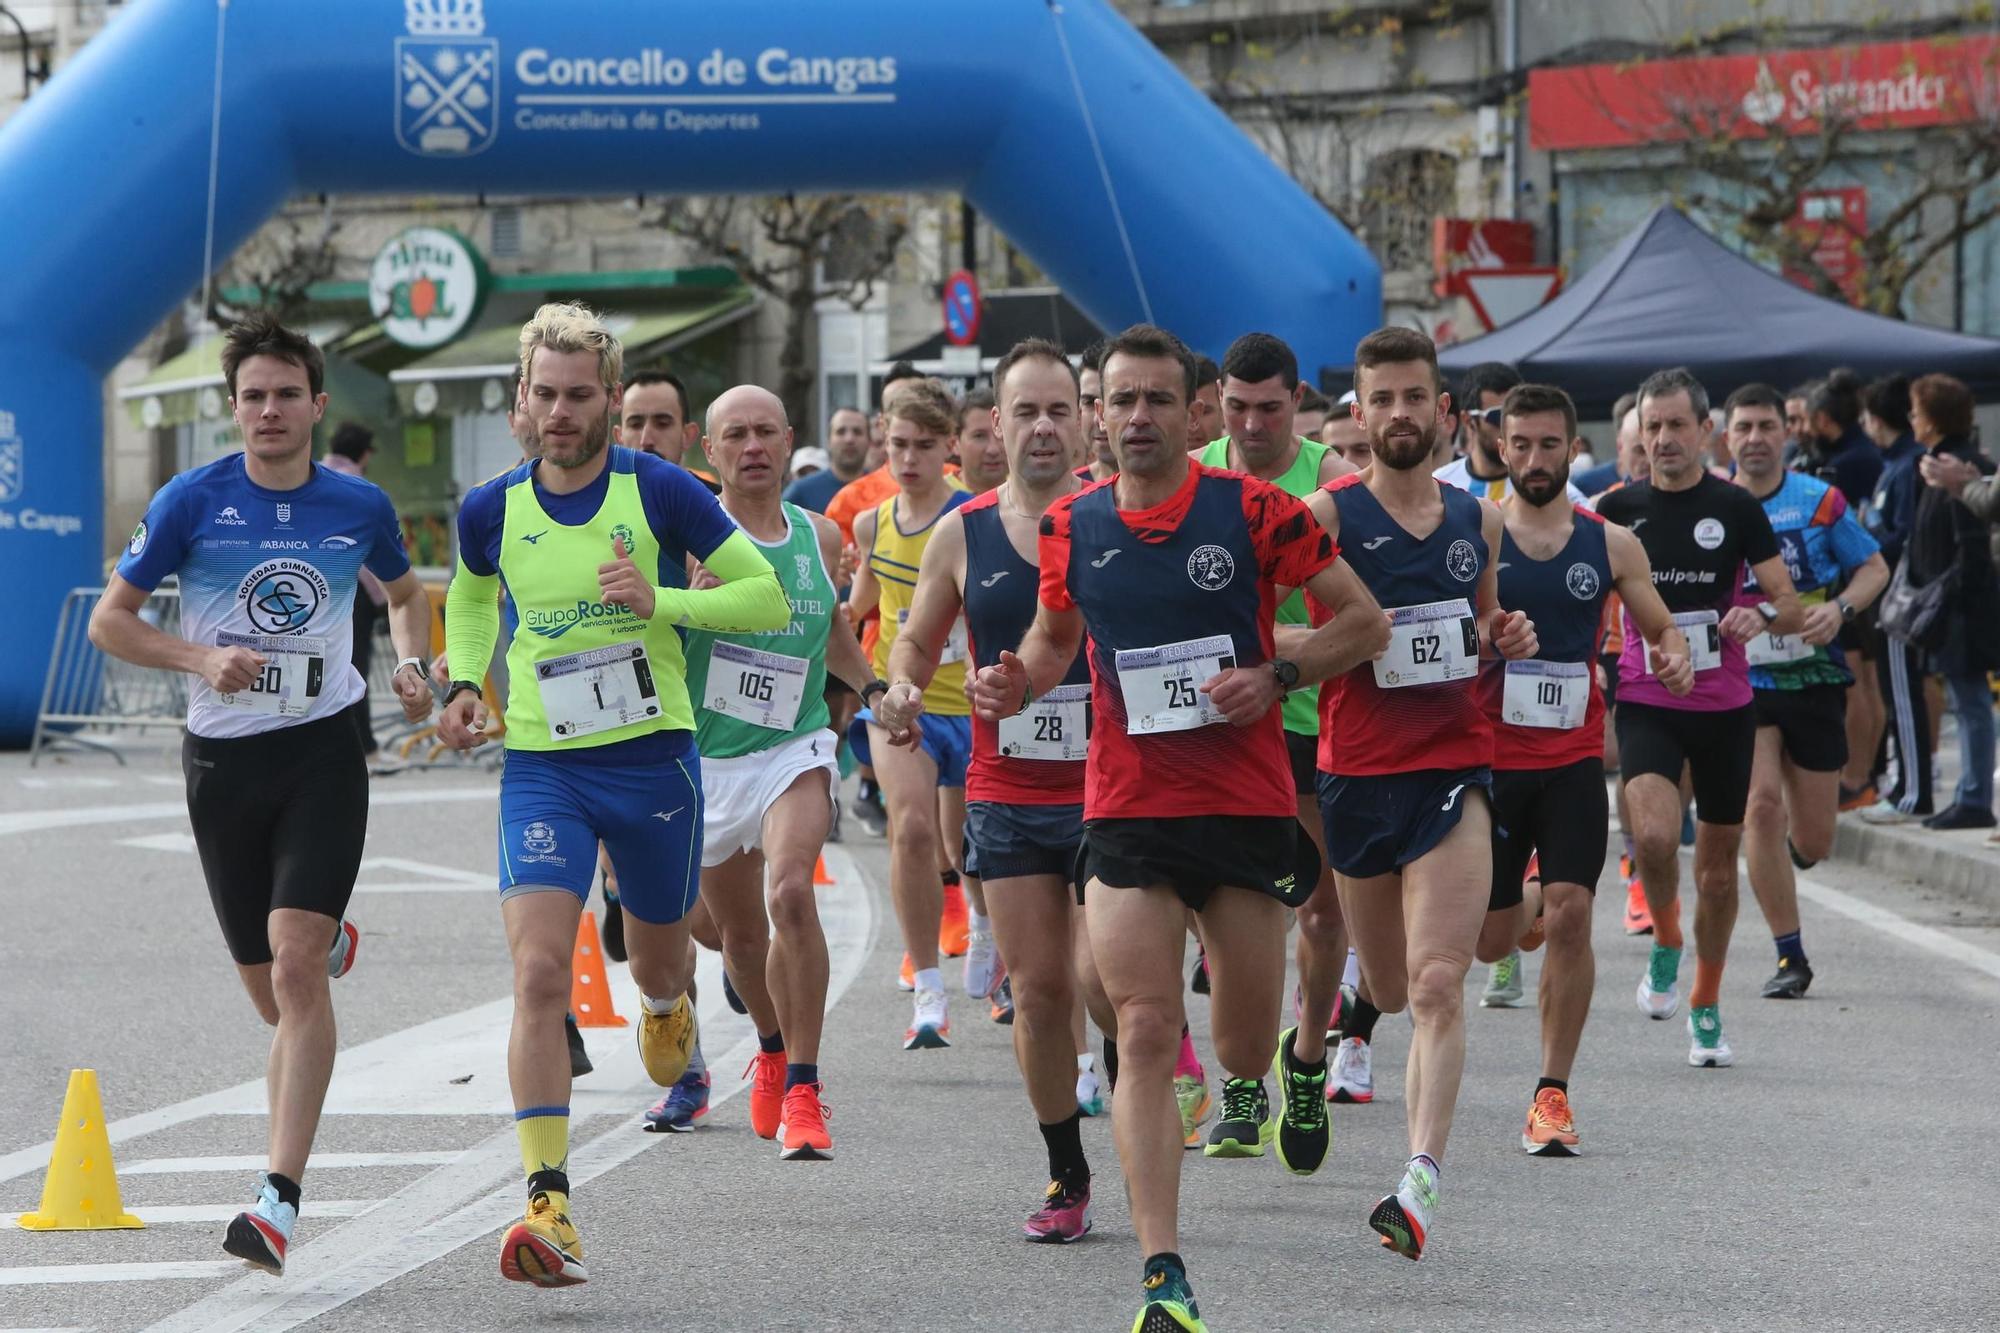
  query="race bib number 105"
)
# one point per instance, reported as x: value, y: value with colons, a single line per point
x: 763, y: 689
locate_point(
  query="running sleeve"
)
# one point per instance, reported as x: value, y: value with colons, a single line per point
x: 387, y: 559
x: 1291, y: 545
x: 1760, y: 539
x: 160, y: 542
x: 471, y: 618
x: 1054, y: 555
x: 750, y: 600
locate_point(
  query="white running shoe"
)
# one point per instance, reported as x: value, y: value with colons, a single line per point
x: 1089, y: 1089
x: 1707, y: 1047
x: 1659, y: 985
x: 1353, y: 1079
x: 982, y: 958
x: 346, y: 943
x: 1503, y: 984
x: 931, y: 1028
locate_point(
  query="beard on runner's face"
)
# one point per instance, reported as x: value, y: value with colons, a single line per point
x: 574, y: 450
x: 1403, y: 443
x: 1541, y: 486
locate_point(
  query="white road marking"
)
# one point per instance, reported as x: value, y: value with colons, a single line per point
x: 321, y: 1161
x: 161, y: 842
x: 453, y: 873
x: 65, y: 784
x: 35, y: 821
x: 373, y: 1250
x: 64, y: 1274
x: 432, y: 886
x: 1882, y: 919
x: 154, y: 1214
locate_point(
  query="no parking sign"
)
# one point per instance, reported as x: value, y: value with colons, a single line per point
x: 961, y: 309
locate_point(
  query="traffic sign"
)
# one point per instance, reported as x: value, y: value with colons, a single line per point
x: 1502, y: 295
x: 961, y: 309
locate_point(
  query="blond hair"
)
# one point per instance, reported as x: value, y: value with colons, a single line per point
x: 570, y: 326
x: 924, y: 403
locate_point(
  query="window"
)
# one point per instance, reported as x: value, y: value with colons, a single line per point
x: 1401, y: 193
x: 506, y: 222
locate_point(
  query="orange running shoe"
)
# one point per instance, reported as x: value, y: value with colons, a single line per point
x: 767, y: 1092
x: 1551, y: 1130
x: 907, y: 978
x: 955, y: 927
x: 804, y: 1130
x: 1638, y: 916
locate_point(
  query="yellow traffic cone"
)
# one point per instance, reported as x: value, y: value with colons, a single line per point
x: 80, y: 1193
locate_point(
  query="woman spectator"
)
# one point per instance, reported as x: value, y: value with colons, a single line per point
x: 1949, y: 542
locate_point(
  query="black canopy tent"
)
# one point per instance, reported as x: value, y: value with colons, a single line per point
x: 1670, y: 295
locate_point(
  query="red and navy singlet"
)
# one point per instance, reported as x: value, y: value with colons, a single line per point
x: 1000, y: 600
x: 1203, y: 565
x: 1547, y: 711
x: 1368, y: 726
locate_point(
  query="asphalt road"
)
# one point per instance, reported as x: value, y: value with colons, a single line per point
x: 1838, y: 1177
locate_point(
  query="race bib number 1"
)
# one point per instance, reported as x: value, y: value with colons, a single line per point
x: 763, y: 689
x: 1704, y: 635
x: 294, y: 670
x: 600, y: 689
x: 1055, y: 726
x: 1546, y: 694
x: 1429, y: 645
x: 1162, y: 686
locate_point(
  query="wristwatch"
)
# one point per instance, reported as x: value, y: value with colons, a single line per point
x: 1847, y: 611
x: 459, y: 687
x: 1769, y: 612
x: 423, y: 667
x: 876, y: 686
x: 1287, y: 673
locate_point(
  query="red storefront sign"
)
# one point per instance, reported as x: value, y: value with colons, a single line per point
x: 1461, y: 243
x: 1888, y: 85
x: 1831, y: 224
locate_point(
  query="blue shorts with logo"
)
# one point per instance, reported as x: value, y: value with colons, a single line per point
x: 1011, y: 841
x: 641, y: 798
x: 947, y: 740
x: 1378, y: 824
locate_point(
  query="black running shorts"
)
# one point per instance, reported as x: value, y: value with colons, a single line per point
x: 1717, y: 748
x: 1197, y: 854
x: 1304, y: 754
x: 279, y: 820
x: 1811, y: 723
x: 1377, y: 824
x: 1562, y: 815
x: 1005, y: 841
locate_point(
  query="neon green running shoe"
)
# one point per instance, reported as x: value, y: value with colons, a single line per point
x: 1246, y: 1125
x: 1303, y: 1135
x: 1169, y: 1306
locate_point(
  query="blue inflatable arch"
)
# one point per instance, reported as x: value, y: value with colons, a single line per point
x: 1058, y: 120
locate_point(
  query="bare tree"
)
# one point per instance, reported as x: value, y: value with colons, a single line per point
x: 796, y: 250
x: 279, y: 266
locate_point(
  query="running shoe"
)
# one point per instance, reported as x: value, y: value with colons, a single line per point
x: 1858, y: 798
x: 803, y: 1133
x: 1503, y: 984
x: 906, y: 979
x: 1551, y: 1130
x: 982, y: 964
x: 1888, y: 812
x: 614, y: 927
x: 1790, y: 982
x: 676, y: 1113
x: 1535, y: 935
x: 1245, y: 1125
x: 1638, y: 916
x: 1003, y: 1002
x: 667, y: 1041
x: 730, y: 997
x: 346, y: 943
x: 766, y: 1072
x: 1191, y: 1094
x: 579, y: 1054
x: 833, y: 829
x: 1089, y: 1090
x: 1707, y: 1047
x: 1169, y: 1306
x: 1353, y: 1078
x: 1660, y: 987
x: 955, y: 926
x: 1063, y: 1217
x: 867, y: 807
x: 1404, y: 1218
x: 931, y: 1028
x: 1303, y: 1135
x: 1198, y: 981
x: 261, y: 1234
x: 543, y: 1248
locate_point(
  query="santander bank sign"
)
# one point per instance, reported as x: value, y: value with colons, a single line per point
x: 1891, y: 85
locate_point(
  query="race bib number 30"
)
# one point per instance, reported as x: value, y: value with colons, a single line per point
x: 1162, y: 686
x: 294, y: 669
x: 600, y: 689
x: 1546, y: 694
x: 1429, y: 644
x: 1704, y: 635
x: 1054, y: 727
x: 763, y: 689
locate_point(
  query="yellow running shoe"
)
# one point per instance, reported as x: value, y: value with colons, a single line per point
x: 1195, y: 1104
x: 543, y: 1248
x: 667, y: 1041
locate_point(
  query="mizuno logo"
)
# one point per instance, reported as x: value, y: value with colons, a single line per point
x: 532, y: 537
x: 1105, y: 559
x: 992, y: 579
x: 1374, y: 542
x: 667, y: 816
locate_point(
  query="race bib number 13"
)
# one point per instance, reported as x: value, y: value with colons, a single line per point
x: 600, y: 689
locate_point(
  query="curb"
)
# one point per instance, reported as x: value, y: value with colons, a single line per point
x: 1961, y: 863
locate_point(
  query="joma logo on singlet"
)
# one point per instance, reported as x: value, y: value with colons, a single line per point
x: 555, y: 624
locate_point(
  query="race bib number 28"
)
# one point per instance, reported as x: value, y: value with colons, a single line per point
x: 1054, y: 727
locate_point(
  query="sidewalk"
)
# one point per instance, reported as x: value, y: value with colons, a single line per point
x: 1961, y: 862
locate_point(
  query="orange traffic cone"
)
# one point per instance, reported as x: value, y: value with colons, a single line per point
x: 80, y: 1193
x: 820, y: 876
x: 589, y: 989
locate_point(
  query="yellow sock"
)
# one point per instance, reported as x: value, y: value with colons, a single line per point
x: 544, y: 1135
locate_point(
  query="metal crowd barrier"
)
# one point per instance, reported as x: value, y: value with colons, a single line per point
x: 87, y: 690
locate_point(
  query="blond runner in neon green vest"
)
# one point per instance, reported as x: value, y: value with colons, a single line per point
x: 592, y: 542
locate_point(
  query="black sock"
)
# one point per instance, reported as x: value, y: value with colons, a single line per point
x: 950, y: 877
x: 772, y: 1044
x: 797, y: 1075
x: 1065, y: 1143
x: 548, y: 1182
x: 288, y: 1189
x: 1559, y: 1084
x: 1294, y: 1054
x: 1797, y: 859
x: 869, y: 790
x: 1360, y: 1020
x: 1166, y: 1261
x: 1111, y: 1063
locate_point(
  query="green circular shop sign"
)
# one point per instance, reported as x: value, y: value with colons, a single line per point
x: 426, y: 286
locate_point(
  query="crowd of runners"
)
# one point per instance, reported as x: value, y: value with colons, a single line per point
x: 1143, y: 674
